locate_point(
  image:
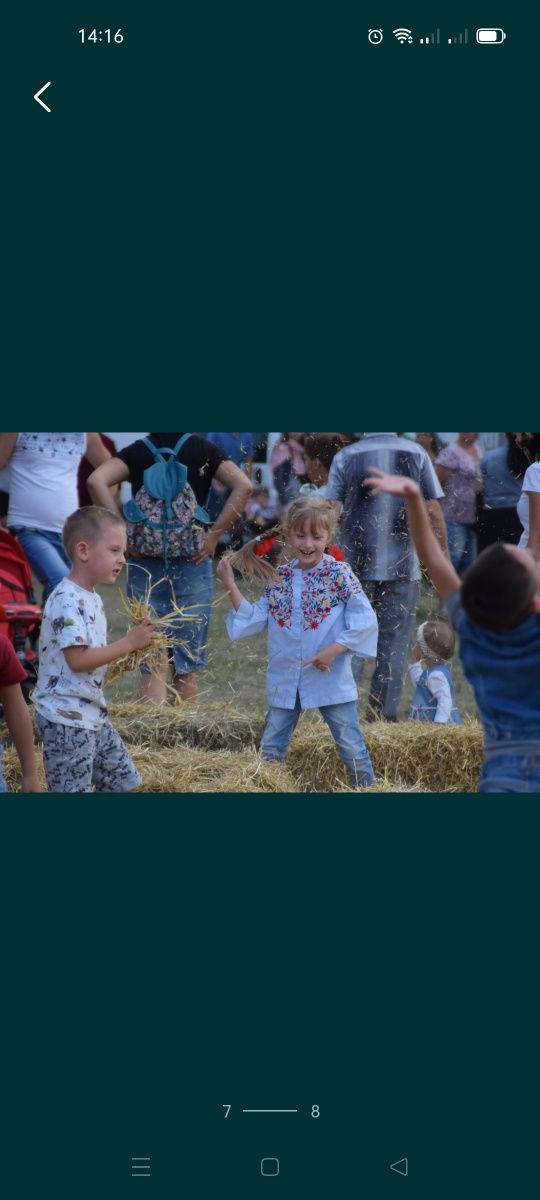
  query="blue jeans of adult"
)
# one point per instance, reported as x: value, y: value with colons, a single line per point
x: 191, y: 587
x: 342, y: 721
x: 394, y: 602
x: 461, y: 545
x: 46, y: 555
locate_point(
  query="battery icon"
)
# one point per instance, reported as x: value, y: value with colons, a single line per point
x: 490, y: 37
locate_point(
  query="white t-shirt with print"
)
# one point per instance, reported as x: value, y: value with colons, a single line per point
x: 531, y: 483
x: 73, y: 617
x: 43, y: 479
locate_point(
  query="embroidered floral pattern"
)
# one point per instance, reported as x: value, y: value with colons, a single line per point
x: 325, y: 586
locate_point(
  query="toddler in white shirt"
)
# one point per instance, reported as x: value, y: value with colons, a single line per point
x: 434, y: 698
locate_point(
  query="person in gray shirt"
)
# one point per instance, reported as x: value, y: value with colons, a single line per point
x: 375, y: 538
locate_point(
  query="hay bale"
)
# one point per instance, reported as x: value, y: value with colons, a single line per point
x: 185, y: 769
x: 208, y: 726
x: 412, y: 755
x: 188, y: 749
x: 12, y: 769
x: 407, y: 754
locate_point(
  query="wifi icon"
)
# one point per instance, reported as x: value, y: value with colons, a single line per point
x: 403, y: 35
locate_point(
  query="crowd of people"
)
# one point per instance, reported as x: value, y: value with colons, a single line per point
x: 336, y: 541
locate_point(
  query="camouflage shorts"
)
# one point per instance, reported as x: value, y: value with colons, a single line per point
x: 85, y: 760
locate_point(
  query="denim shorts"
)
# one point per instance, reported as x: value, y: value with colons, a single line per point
x: 191, y: 587
x: 511, y: 768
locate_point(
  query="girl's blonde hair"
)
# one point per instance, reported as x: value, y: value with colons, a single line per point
x: 303, y: 511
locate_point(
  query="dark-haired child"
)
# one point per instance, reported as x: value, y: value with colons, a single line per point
x: 496, y: 613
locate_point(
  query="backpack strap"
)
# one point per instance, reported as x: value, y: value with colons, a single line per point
x: 181, y: 441
x: 200, y: 513
x: 157, y: 455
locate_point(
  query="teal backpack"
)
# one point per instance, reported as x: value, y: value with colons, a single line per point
x: 164, y: 520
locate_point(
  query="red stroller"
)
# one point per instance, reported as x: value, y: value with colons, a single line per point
x: 20, y: 616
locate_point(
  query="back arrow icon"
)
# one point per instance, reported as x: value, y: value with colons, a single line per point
x: 38, y: 94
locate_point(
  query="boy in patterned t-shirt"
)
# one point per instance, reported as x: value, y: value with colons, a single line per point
x: 81, y: 749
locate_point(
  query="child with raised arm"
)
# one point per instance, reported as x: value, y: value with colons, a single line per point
x: 81, y: 749
x: 17, y: 717
x: 317, y: 617
x: 496, y: 612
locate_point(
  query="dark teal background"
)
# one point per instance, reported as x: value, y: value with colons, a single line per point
x: 244, y: 214
x: 251, y: 205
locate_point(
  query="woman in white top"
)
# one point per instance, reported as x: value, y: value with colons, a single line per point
x: 528, y: 509
x: 43, y: 492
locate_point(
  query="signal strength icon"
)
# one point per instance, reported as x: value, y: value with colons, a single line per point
x: 403, y: 35
x: 432, y: 39
x: 461, y: 39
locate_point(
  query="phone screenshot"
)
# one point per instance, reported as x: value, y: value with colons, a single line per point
x: 269, y: 702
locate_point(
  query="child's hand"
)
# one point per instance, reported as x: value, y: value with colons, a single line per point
x: 30, y: 783
x: 225, y: 572
x: 324, y: 659
x: 416, y: 653
x: 395, y: 485
x: 141, y: 635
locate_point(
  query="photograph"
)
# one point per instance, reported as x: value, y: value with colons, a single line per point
x: 270, y: 612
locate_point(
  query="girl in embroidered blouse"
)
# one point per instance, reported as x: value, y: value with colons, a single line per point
x: 317, y: 617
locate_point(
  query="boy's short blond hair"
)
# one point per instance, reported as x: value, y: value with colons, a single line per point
x: 87, y: 525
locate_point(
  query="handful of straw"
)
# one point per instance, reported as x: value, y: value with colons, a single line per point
x: 139, y: 609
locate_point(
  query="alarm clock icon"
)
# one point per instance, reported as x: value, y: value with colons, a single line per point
x: 375, y: 36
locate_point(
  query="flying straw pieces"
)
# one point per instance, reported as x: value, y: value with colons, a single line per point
x: 139, y: 609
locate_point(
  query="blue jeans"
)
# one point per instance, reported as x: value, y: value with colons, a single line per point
x: 461, y: 545
x: 342, y: 721
x: 394, y: 602
x: 511, y: 765
x: 191, y: 587
x: 3, y: 785
x: 46, y: 555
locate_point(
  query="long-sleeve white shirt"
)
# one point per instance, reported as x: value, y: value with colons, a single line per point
x: 304, y: 611
x: 436, y: 683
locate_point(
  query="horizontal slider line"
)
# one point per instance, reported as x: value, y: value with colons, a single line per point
x: 270, y: 1110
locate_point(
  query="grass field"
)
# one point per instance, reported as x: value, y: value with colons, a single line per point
x: 236, y: 672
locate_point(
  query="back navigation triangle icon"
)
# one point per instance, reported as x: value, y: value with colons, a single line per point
x: 401, y: 1167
